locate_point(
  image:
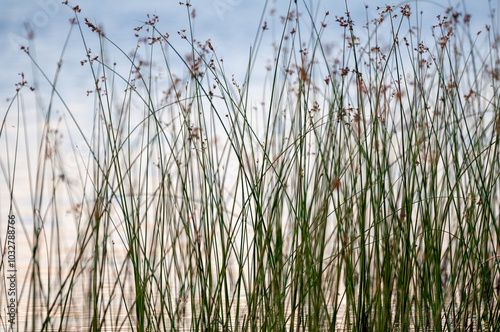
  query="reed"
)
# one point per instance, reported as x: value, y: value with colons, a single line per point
x: 359, y: 191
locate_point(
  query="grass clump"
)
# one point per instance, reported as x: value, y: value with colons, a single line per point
x: 359, y: 193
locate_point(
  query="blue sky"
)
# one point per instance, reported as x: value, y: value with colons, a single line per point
x: 230, y: 24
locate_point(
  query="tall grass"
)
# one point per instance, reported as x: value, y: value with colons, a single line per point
x: 360, y: 192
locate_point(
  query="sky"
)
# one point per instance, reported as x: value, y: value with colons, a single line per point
x: 231, y: 25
